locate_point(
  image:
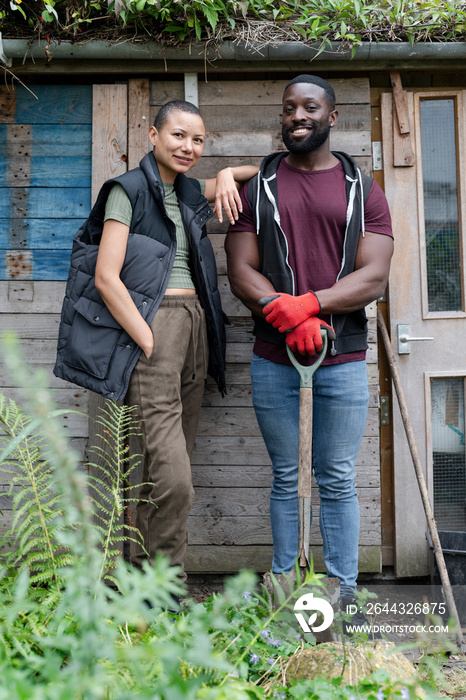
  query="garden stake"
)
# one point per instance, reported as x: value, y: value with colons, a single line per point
x: 432, y: 525
x: 305, y: 450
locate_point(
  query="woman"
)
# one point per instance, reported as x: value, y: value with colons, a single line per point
x: 160, y: 327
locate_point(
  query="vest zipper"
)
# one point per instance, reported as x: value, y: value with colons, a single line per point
x: 276, y: 216
x: 349, y: 216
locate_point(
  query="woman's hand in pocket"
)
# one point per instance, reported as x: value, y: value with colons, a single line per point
x: 147, y: 345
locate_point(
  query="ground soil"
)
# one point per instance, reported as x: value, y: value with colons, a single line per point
x: 398, y: 594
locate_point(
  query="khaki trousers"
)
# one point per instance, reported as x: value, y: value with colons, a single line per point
x: 168, y: 389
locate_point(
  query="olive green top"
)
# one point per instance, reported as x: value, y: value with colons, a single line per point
x: 119, y: 208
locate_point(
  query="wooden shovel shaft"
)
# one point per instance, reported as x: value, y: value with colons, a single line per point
x: 304, y: 475
x: 305, y: 442
x: 304, y: 531
x: 306, y: 374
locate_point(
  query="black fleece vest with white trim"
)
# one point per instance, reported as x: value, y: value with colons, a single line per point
x: 351, y: 328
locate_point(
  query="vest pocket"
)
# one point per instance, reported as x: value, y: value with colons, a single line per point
x: 93, y: 336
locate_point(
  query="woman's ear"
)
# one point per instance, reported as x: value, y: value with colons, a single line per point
x: 153, y: 133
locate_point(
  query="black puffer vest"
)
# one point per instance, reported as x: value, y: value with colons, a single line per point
x: 93, y: 349
x: 350, y: 329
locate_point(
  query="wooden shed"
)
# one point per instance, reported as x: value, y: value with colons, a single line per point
x: 87, y: 121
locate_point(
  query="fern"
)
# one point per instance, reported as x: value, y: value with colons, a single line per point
x: 37, y: 510
x: 53, y: 581
x: 111, y: 492
x: 37, y: 529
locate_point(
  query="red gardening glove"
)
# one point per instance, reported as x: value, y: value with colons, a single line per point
x: 307, y: 337
x: 285, y: 311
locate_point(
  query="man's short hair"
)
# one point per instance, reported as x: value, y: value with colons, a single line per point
x: 315, y: 80
x: 174, y: 106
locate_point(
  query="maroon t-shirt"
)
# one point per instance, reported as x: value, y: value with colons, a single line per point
x: 312, y: 207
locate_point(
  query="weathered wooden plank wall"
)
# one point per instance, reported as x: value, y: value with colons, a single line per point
x: 45, y: 178
x: 229, y: 525
x: 45, y: 193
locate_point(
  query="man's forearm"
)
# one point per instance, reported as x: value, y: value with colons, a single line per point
x: 250, y: 286
x: 367, y: 282
x: 350, y: 294
x: 246, y: 282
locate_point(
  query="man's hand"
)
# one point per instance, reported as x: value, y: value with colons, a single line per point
x: 307, y: 337
x: 285, y: 311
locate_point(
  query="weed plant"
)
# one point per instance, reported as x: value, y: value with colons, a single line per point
x: 65, y: 634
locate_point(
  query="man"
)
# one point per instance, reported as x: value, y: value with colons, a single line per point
x: 311, y: 221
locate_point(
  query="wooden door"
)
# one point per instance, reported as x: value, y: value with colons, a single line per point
x: 427, y: 304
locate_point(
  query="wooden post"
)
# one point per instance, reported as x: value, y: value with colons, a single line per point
x: 403, y: 153
x: 138, y: 121
x: 109, y: 159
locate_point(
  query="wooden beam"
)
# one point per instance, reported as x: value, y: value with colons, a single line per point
x: 109, y: 134
x: 225, y: 559
x: 109, y: 159
x: 7, y: 105
x: 138, y: 121
x: 403, y: 153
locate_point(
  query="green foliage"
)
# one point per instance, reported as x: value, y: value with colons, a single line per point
x: 171, y: 21
x: 36, y: 507
x: 37, y: 533
x: 110, y: 487
x: 69, y: 636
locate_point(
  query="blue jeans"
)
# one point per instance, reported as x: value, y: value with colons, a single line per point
x: 341, y: 398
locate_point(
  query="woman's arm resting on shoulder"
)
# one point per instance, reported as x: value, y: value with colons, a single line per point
x: 246, y: 282
x: 366, y: 283
x: 223, y: 190
x: 110, y: 259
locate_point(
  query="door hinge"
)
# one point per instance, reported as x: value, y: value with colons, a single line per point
x: 377, y: 163
x: 384, y: 410
x: 191, y: 89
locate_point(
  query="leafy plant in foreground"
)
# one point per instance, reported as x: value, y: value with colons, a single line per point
x: 92, y: 642
x: 110, y: 487
x: 37, y: 510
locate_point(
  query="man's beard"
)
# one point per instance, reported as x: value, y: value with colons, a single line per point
x: 316, y: 138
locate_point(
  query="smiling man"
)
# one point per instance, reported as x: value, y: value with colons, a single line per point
x: 311, y: 221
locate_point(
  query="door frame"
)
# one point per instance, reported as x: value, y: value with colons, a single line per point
x: 403, y: 188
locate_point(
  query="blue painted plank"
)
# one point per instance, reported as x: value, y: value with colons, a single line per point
x: 60, y: 171
x: 43, y: 171
x: 51, y: 140
x: 45, y: 202
x: 47, y: 265
x: 50, y: 265
x: 50, y: 147
x: 56, y: 104
x: 38, y: 234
